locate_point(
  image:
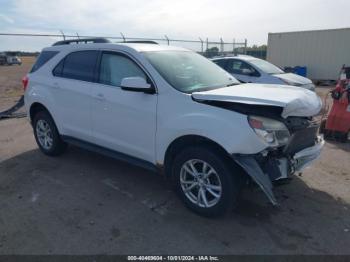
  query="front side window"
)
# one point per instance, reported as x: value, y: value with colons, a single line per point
x: 241, y: 68
x: 234, y: 66
x: 115, y: 67
x: 188, y: 71
x: 78, y: 65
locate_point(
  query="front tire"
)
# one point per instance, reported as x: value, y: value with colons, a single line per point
x: 46, y: 135
x: 205, y: 181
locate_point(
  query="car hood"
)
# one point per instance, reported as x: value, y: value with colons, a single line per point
x: 295, y: 101
x: 294, y: 78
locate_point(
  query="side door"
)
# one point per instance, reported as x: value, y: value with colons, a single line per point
x: 242, y: 71
x: 124, y: 121
x: 72, y: 84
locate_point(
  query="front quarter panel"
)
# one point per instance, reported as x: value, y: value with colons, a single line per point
x: 181, y: 116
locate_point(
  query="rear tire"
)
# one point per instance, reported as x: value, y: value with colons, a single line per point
x: 205, y: 181
x: 46, y: 135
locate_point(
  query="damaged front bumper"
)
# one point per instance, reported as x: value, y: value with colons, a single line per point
x: 264, y: 169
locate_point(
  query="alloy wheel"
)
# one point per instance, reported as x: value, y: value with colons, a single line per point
x: 44, y: 134
x: 200, y: 183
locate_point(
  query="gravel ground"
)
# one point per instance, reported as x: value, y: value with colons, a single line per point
x: 11, y: 88
x: 84, y: 203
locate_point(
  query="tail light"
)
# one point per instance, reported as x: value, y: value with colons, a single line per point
x: 25, y: 82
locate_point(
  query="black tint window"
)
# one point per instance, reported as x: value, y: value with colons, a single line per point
x: 221, y: 63
x: 43, y: 58
x: 80, y: 65
x: 58, y: 69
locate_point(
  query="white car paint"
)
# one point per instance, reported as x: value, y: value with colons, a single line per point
x: 296, y: 101
x: 144, y: 125
x: 264, y: 77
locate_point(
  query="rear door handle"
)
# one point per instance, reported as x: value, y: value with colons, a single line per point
x: 56, y: 85
x: 100, y: 97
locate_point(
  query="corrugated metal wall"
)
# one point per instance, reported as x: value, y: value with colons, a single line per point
x: 323, y: 52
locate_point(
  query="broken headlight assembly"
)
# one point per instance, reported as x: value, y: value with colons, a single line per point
x: 272, y: 132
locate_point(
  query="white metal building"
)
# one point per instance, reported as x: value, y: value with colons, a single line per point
x: 323, y: 52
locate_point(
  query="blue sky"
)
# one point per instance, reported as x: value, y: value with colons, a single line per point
x: 185, y: 19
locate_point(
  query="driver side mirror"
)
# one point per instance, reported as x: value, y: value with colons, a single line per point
x: 136, y: 84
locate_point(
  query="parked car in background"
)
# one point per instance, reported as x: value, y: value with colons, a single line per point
x: 14, y: 60
x: 171, y: 110
x: 248, y: 69
x: 10, y: 58
x: 3, y: 59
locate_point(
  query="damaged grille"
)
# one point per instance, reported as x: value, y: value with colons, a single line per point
x: 303, y: 134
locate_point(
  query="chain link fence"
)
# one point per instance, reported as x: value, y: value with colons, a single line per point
x: 27, y: 47
x: 203, y: 46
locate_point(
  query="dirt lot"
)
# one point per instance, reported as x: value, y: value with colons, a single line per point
x: 84, y: 203
x: 11, y: 82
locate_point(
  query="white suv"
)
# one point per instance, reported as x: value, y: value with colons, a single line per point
x: 170, y: 109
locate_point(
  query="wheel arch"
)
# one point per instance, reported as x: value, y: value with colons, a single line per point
x: 185, y: 141
x: 35, y: 108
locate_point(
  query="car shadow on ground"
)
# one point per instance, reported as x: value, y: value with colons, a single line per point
x: 68, y: 194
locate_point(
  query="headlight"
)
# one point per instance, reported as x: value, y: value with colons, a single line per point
x: 272, y: 132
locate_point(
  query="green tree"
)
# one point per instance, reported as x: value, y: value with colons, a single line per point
x: 210, y: 52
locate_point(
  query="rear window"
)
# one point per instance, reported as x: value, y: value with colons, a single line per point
x: 78, y: 65
x: 43, y: 58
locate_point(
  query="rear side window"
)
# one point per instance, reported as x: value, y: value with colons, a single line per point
x: 58, y: 69
x: 235, y: 66
x: 78, y: 65
x: 43, y: 58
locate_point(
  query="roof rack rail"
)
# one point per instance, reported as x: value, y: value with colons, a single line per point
x: 83, y: 40
x: 141, y: 42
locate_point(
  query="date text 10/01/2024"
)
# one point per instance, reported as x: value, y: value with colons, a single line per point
x: 173, y: 258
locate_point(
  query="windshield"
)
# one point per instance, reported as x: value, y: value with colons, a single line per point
x: 266, y: 67
x: 188, y: 71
